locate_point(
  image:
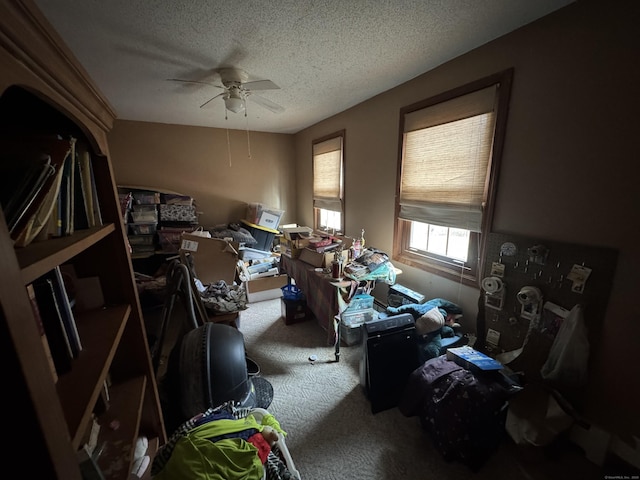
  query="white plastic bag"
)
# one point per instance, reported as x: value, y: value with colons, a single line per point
x: 569, y: 354
x: 201, y: 232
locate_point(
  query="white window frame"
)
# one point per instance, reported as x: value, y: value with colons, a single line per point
x: 328, y: 182
x: 425, y: 191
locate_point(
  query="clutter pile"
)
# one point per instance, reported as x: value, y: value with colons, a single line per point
x: 155, y: 219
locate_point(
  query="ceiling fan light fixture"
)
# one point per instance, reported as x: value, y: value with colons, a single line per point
x: 234, y: 103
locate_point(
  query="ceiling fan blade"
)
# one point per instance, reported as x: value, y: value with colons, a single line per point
x: 268, y: 104
x: 194, y: 81
x: 261, y: 85
x: 211, y: 99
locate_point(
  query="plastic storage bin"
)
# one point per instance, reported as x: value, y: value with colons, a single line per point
x: 141, y: 239
x: 351, y: 334
x: 144, y: 216
x: 291, y: 292
x: 264, y: 236
x: 143, y: 228
x: 361, y: 301
x: 357, y: 317
x: 263, y: 216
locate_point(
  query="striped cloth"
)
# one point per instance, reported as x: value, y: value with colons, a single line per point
x: 275, y: 467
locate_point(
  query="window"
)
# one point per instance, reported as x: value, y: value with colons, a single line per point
x: 448, y: 164
x: 328, y: 181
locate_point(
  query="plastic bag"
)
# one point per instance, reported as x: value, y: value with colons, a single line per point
x: 569, y: 353
x: 201, y: 232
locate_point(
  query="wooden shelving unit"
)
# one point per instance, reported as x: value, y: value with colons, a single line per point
x: 44, y: 89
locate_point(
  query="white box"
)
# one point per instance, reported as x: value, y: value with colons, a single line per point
x: 263, y: 216
x: 269, y: 273
x: 270, y: 218
x: 246, y: 253
x: 266, y: 288
x: 297, y: 232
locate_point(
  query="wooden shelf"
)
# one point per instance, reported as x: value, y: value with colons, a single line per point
x: 100, y: 332
x: 45, y: 91
x: 40, y: 257
x: 119, y: 428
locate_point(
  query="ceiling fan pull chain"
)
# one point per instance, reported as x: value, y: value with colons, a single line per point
x: 229, y: 147
x: 248, y: 139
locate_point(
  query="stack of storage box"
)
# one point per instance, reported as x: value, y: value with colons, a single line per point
x: 263, y: 216
x: 293, y: 240
x: 262, y: 223
x: 144, y: 222
x: 177, y: 214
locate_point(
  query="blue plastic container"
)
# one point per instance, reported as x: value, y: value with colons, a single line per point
x: 291, y: 292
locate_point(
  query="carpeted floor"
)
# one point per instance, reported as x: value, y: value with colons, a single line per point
x: 332, y: 434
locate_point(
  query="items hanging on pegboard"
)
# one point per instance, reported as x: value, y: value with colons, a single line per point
x: 522, y: 274
x: 494, y: 292
x: 530, y: 299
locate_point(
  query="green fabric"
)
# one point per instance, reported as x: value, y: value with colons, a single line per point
x: 196, y: 458
x: 270, y: 420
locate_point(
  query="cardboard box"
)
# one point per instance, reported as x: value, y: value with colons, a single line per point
x: 266, y: 288
x: 214, y: 259
x: 295, y: 233
x: 292, y: 248
x: 344, y: 240
x: 317, y: 259
x: 472, y: 360
x: 232, y: 319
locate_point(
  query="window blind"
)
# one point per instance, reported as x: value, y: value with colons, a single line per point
x: 446, y: 155
x: 327, y: 174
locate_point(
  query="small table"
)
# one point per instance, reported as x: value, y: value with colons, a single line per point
x: 326, y: 296
x: 321, y: 295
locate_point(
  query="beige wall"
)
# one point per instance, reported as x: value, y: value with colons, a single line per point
x: 195, y: 161
x: 567, y: 173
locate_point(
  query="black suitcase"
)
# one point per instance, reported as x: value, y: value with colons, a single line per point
x: 213, y: 369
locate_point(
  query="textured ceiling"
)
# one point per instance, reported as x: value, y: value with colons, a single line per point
x: 325, y: 55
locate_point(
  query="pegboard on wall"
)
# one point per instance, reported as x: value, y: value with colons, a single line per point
x: 556, y: 270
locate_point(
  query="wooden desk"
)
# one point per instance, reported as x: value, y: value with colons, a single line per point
x: 321, y: 295
x: 324, y: 298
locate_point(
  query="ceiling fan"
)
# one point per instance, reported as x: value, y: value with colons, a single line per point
x: 237, y: 90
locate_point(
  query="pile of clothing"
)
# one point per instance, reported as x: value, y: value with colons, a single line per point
x: 226, y: 443
x: 220, y: 298
x: 437, y: 325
